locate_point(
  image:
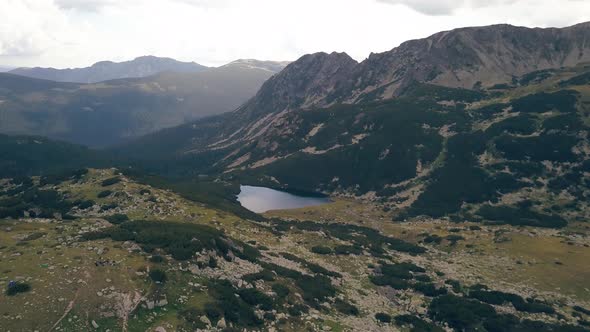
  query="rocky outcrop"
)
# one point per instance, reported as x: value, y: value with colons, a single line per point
x: 314, y: 79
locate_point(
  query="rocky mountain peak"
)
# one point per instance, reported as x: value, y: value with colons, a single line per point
x: 312, y: 80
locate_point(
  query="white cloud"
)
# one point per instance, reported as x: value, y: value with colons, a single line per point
x: 450, y: 7
x: 86, y: 5
x: 440, y: 7
x: 67, y: 33
x: 30, y: 27
x: 98, y: 5
x: 208, y: 3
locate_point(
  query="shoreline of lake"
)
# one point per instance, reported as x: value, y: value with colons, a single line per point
x: 263, y: 199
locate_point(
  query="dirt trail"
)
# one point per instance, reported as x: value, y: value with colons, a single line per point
x: 67, y: 311
x: 126, y: 305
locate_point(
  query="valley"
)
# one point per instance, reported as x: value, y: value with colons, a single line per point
x: 109, y: 112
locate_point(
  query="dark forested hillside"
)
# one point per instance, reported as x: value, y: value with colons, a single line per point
x: 28, y: 155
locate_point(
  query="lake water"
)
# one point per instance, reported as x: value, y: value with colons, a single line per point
x: 261, y: 199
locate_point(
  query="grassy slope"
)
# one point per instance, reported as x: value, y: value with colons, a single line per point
x: 70, y: 268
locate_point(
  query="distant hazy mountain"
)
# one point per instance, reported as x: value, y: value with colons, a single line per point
x: 106, y: 70
x: 272, y: 66
x: 114, y: 111
x: 5, y: 69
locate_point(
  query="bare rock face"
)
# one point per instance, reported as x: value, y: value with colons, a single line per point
x: 314, y: 79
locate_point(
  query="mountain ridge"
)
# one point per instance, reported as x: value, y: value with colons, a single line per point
x: 140, y: 67
x: 511, y: 45
x: 457, y: 58
x: 108, y: 70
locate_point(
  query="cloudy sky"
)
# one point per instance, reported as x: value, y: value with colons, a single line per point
x: 76, y: 33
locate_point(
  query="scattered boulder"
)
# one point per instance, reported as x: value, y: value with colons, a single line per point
x: 221, y: 323
x: 205, y: 320
x: 162, y: 302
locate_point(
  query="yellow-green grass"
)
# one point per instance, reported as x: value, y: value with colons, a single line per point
x: 549, y: 85
x: 549, y: 264
x: 58, y: 275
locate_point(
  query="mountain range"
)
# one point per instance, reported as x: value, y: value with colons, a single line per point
x: 110, y: 112
x: 460, y: 58
x: 474, y: 129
